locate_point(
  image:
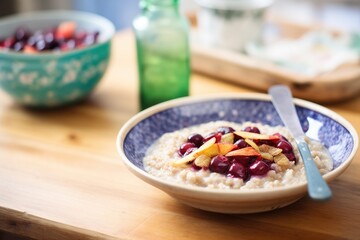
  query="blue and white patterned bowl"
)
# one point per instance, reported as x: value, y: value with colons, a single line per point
x: 320, y: 123
x: 55, y: 78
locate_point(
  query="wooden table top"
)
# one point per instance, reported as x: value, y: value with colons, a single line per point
x: 61, y: 177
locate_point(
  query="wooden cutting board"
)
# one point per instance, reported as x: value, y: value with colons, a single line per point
x: 340, y: 84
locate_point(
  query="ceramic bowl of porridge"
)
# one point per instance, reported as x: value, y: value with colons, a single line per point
x: 231, y: 153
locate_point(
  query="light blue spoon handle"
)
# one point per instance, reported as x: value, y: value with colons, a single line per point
x: 282, y: 99
x: 317, y: 187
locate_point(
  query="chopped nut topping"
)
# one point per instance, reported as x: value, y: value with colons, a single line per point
x: 267, y: 156
x: 282, y: 161
x: 270, y: 149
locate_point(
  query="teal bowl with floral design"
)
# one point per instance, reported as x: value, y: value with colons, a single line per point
x: 54, y: 78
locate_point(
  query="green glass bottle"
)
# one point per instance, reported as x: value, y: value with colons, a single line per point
x: 162, y: 42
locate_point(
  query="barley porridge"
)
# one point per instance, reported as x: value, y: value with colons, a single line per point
x: 227, y: 155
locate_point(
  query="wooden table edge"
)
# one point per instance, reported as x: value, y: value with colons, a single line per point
x: 27, y: 225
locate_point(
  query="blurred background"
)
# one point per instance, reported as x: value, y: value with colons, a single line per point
x: 342, y: 15
x: 339, y: 14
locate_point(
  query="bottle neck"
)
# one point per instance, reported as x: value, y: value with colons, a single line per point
x: 159, y: 5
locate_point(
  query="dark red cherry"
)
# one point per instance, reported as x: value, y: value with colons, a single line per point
x: 241, y: 143
x: 18, y: 46
x: 268, y: 142
x: 217, y: 136
x: 219, y: 164
x: 41, y: 45
x: 9, y: 42
x: 285, y: 146
x: 71, y: 44
x: 268, y: 162
x: 259, y: 168
x: 184, y: 147
x: 290, y: 156
x: 91, y: 38
x: 225, y: 130
x: 50, y: 40
x: 31, y: 41
x: 189, y: 150
x: 196, y: 139
x: 194, y: 167
x: 252, y: 129
x: 21, y: 34
x: 238, y: 170
x: 281, y: 137
x: 244, y: 160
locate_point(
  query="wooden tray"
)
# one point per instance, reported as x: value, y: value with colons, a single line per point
x: 340, y: 84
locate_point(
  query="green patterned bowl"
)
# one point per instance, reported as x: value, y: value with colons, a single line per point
x: 58, y: 78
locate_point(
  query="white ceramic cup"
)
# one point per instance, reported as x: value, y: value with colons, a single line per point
x: 231, y: 24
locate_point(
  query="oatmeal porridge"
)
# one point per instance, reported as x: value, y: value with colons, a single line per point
x: 227, y: 155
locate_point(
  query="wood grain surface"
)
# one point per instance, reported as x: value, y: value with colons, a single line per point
x: 61, y: 177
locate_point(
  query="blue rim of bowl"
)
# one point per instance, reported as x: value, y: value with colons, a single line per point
x: 125, y: 129
x: 53, y: 14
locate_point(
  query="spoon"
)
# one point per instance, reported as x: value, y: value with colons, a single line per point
x: 282, y: 99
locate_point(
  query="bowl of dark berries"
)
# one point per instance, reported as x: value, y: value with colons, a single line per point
x: 231, y: 153
x: 53, y: 58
